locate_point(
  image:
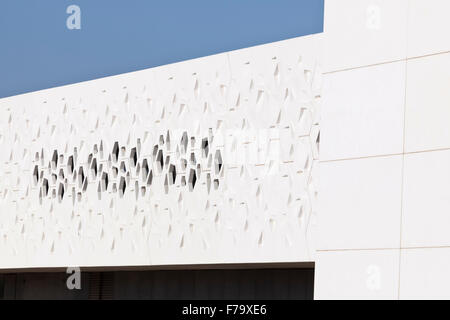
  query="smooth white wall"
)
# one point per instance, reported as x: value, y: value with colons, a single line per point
x: 384, y: 194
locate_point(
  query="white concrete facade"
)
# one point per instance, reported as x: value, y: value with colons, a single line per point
x: 332, y: 148
x: 384, y: 195
x: 208, y: 161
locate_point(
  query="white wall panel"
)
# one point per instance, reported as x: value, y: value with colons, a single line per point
x: 363, y: 112
x: 426, y: 199
x: 428, y: 26
x: 428, y: 103
x: 424, y: 273
x: 356, y: 274
x: 360, y: 203
x: 363, y: 32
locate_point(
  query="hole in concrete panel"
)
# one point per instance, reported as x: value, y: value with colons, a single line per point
x: 60, y: 192
x: 104, y: 181
x: 159, y: 161
x: 205, y: 147
x: 208, y: 182
x: 94, y: 168
x: 101, y: 149
x: 138, y: 145
x: 61, y: 174
x: 155, y: 151
x: 172, y: 174
x: 122, y: 186
x: 35, y: 175
x: 42, y: 156
x: 123, y: 168
x: 318, y: 140
x: 45, y: 187
x: 81, y: 177
x: 136, y: 189
x: 85, y: 185
x: 168, y: 140
x: 218, y: 161
x: 115, y: 172
x: 54, y: 161
x: 199, y: 171
x: 183, y: 164
x: 192, y: 179
x: 138, y: 169
x: 70, y: 165
x: 75, y: 155
x: 99, y: 191
x: 184, y: 142
x: 150, y: 178
x: 115, y: 152
x: 133, y: 157
x: 192, y: 159
x: 144, y: 169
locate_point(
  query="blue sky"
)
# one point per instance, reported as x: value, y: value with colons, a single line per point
x: 38, y: 51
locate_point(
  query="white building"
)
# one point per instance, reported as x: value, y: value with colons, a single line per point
x: 328, y: 152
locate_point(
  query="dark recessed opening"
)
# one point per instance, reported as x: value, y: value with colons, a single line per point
x: 255, y: 283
